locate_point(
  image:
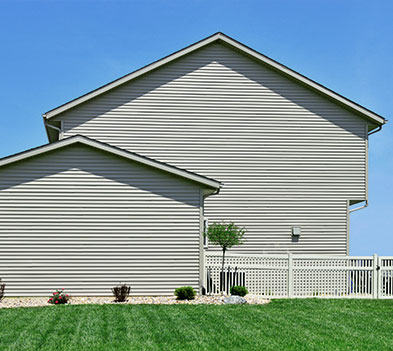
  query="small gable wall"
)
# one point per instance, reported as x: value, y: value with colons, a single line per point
x: 86, y: 220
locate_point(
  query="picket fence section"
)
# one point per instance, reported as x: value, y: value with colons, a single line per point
x: 385, y: 277
x: 301, y: 276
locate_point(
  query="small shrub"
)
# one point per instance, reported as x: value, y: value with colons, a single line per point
x: 239, y: 290
x: 185, y: 293
x: 59, y: 297
x: 2, y: 288
x: 121, y: 292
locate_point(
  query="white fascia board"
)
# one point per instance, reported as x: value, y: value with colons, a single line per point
x: 306, y: 81
x: 152, y: 163
x: 211, y: 183
x: 241, y: 47
x: 36, y: 151
x: 130, y: 76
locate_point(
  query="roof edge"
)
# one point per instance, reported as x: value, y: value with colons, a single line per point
x: 147, y: 161
x: 129, y: 76
x: 368, y: 114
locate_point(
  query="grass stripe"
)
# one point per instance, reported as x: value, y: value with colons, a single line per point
x: 281, y: 325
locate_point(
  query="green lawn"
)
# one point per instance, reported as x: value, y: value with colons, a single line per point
x: 281, y: 325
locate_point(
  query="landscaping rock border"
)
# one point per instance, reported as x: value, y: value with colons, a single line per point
x: 235, y: 300
x: 13, y: 302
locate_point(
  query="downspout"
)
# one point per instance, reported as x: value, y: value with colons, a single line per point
x: 375, y: 130
x: 216, y: 192
x: 366, y: 201
x: 359, y: 208
x: 203, y: 279
x: 60, y: 130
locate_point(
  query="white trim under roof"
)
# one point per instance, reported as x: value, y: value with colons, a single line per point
x: 379, y: 120
x: 208, y: 182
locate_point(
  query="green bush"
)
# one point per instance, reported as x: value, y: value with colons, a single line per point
x: 2, y: 288
x: 59, y: 297
x: 239, y: 290
x: 121, y: 292
x: 185, y: 293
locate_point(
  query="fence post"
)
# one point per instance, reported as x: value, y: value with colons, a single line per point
x: 290, y: 275
x: 375, y: 277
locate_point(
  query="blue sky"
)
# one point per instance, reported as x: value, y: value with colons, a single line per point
x: 54, y: 51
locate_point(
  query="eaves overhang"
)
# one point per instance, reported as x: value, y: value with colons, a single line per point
x: 206, y: 182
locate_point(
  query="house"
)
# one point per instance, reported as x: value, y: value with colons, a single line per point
x: 214, y: 131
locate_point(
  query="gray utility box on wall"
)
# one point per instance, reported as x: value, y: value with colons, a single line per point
x: 296, y: 231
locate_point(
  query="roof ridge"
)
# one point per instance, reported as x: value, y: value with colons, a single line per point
x: 147, y: 161
x: 271, y: 63
x: 145, y: 157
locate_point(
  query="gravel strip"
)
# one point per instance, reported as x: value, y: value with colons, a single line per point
x: 12, y: 302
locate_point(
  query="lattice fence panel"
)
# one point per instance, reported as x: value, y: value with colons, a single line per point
x: 262, y: 275
x: 302, y: 276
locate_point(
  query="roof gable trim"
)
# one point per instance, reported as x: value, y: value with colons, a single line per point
x: 241, y: 47
x: 211, y: 183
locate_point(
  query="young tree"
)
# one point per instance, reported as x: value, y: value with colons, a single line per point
x: 225, y: 235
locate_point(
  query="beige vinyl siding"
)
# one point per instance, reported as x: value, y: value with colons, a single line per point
x: 286, y: 155
x: 85, y: 220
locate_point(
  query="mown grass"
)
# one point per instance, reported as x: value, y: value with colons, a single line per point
x: 281, y: 325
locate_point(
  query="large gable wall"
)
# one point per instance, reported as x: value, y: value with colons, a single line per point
x: 286, y: 155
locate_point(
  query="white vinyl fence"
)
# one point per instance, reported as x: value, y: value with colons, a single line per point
x: 301, y: 276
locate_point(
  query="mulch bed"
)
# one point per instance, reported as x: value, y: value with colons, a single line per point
x: 12, y: 302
